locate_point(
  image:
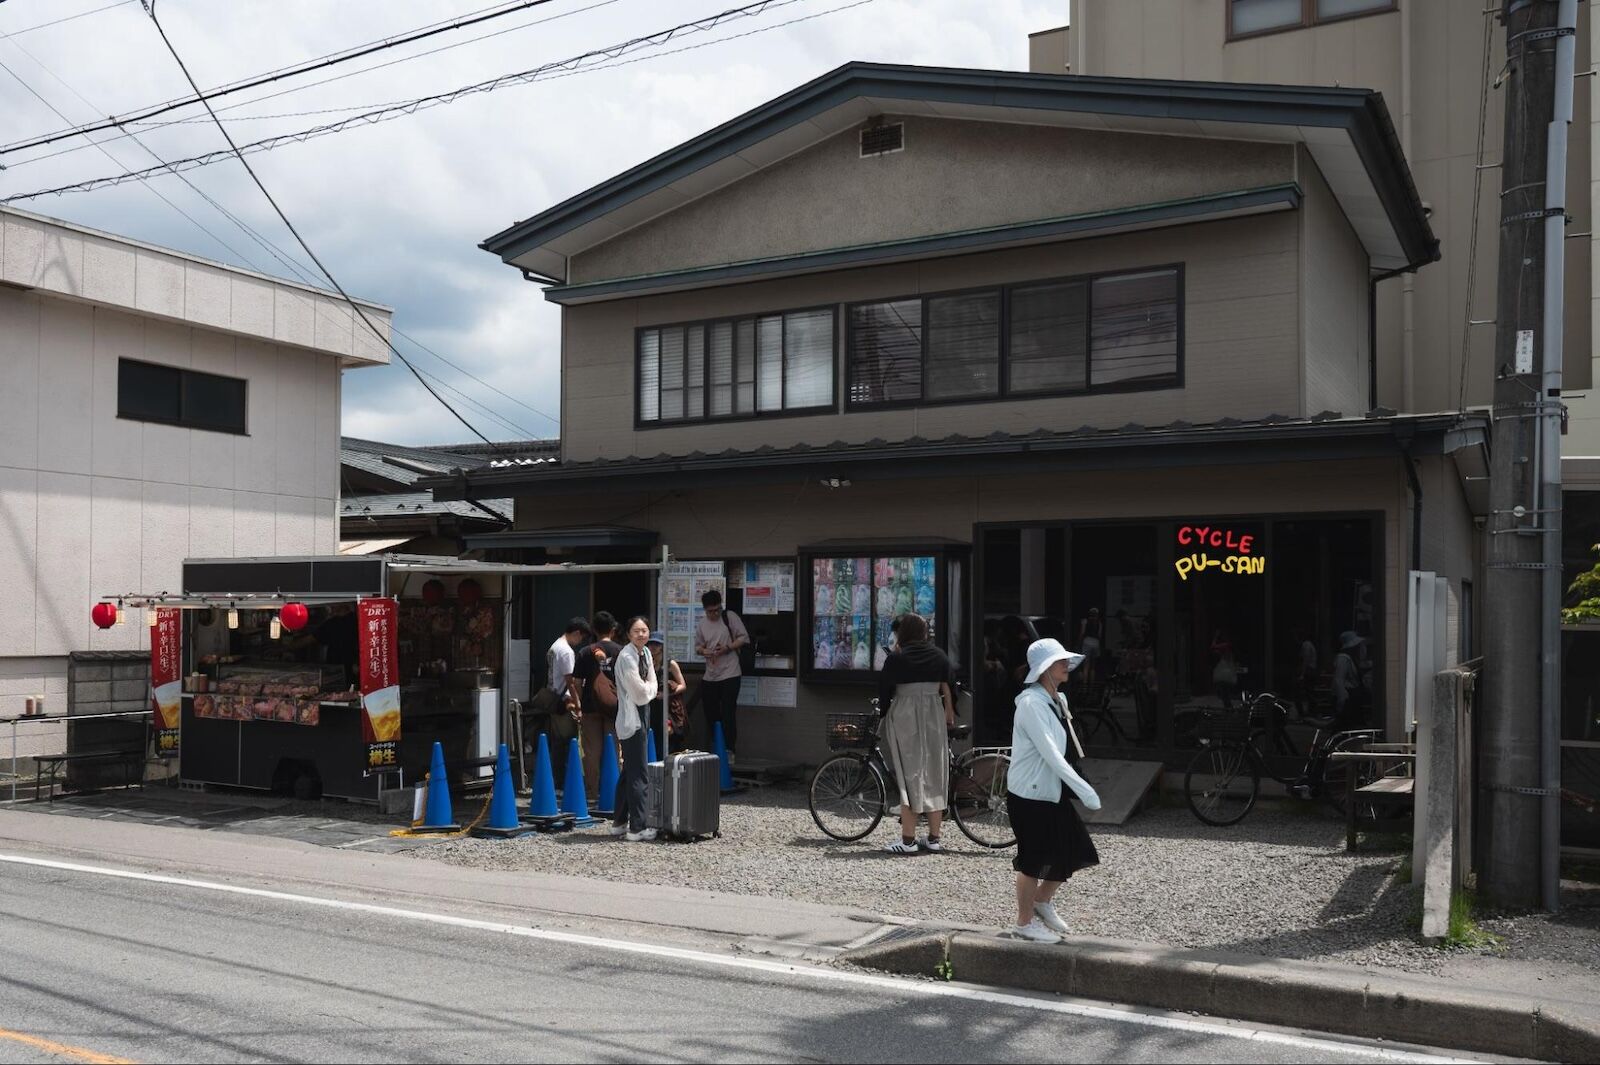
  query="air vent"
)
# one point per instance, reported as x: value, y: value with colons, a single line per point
x: 881, y: 140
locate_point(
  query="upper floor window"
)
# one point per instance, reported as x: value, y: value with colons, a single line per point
x: 150, y: 392
x: 736, y: 368
x: 1072, y: 335
x: 1246, y: 18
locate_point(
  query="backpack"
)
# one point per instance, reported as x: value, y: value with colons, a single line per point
x: 747, y: 653
x: 605, y: 684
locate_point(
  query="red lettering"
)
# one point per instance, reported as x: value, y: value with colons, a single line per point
x: 1184, y: 535
x: 1201, y: 532
x: 1244, y: 544
x: 1216, y: 538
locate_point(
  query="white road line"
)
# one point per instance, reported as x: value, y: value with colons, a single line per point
x: 899, y: 986
x: 357, y: 843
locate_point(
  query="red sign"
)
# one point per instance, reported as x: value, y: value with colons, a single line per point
x: 166, y: 681
x: 377, y: 622
x: 1222, y: 549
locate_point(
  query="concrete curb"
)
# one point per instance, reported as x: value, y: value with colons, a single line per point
x: 1399, y: 1008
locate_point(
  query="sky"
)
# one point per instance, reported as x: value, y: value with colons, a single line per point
x: 396, y: 209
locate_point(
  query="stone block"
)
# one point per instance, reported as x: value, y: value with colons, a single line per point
x: 987, y: 959
x: 130, y: 689
x: 98, y: 691
x: 85, y: 673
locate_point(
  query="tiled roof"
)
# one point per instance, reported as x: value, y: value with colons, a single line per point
x: 417, y: 504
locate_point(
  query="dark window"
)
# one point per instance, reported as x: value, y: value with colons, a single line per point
x: 149, y: 392
x: 1074, y: 335
x: 1249, y: 18
x: 736, y: 368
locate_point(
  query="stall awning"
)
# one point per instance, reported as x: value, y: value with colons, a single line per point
x: 569, y: 536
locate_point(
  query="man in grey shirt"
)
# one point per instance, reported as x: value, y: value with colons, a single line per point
x: 717, y: 639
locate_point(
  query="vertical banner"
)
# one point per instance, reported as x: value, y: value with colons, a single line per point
x: 378, y: 621
x: 166, y: 684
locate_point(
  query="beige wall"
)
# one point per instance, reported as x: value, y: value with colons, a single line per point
x: 1049, y: 51
x: 1241, y: 346
x: 1334, y: 301
x: 952, y: 176
x: 778, y: 520
x: 1427, y: 61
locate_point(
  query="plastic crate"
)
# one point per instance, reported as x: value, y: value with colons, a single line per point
x: 849, y: 732
x: 1224, y: 726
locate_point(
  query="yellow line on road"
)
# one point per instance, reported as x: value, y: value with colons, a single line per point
x: 62, y: 1050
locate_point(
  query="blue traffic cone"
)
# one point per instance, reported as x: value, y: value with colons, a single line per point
x: 574, y: 798
x: 610, y: 772
x: 542, y: 806
x: 503, y: 820
x: 720, y: 749
x: 437, y: 816
x: 650, y: 746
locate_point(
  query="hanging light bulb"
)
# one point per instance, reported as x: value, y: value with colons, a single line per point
x: 122, y: 615
x: 276, y: 628
x: 150, y: 616
x: 233, y: 619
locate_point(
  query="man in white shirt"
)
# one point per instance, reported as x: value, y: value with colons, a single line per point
x: 556, y: 700
x: 717, y: 639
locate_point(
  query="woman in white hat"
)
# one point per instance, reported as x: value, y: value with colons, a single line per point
x: 1052, y: 843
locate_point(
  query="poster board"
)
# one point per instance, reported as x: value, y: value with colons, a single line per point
x: 683, y: 586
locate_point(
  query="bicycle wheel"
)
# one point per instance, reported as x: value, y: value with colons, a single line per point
x: 978, y: 799
x: 847, y: 797
x: 1221, y: 783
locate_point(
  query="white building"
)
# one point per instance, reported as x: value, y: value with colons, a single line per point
x: 153, y: 406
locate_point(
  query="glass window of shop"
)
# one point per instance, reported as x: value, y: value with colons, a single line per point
x: 851, y: 597
x: 1580, y: 672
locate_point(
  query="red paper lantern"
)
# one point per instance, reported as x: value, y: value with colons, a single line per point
x: 294, y: 616
x: 433, y: 592
x: 469, y: 592
x: 104, y: 615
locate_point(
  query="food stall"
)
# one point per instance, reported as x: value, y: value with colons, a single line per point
x: 335, y: 675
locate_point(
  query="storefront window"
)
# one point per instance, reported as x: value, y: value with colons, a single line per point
x: 1114, y: 628
x: 1220, y: 627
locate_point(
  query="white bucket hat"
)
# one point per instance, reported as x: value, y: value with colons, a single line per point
x: 1349, y: 640
x: 1042, y: 654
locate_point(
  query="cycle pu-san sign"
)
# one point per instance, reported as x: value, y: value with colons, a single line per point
x: 1217, y: 547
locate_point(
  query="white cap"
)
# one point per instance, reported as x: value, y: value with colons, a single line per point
x: 1042, y: 654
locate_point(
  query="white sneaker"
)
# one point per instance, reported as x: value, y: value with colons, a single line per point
x: 1035, y: 932
x: 641, y: 837
x: 619, y: 830
x: 1046, y: 914
x: 932, y: 846
x: 900, y: 846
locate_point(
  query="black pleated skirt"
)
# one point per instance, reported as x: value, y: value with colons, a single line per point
x: 1052, y: 842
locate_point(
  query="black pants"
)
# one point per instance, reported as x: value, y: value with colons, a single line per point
x: 630, y: 798
x: 720, y: 699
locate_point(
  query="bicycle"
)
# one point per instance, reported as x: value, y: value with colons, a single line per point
x: 849, y: 793
x: 1223, y: 779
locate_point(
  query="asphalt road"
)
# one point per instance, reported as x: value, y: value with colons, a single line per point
x: 98, y: 968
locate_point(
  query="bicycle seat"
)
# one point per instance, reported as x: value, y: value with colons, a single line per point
x: 957, y: 732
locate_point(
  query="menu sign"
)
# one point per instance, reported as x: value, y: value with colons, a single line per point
x: 166, y: 683
x: 685, y: 583
x: 378, y: 625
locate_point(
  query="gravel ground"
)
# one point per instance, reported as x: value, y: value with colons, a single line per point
x: 1280, y: 884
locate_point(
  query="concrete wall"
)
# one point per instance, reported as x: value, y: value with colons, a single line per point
x: 953, y: 175
x: 1049, y: 51
x: 1334, y: 301
x: 1241, y: 348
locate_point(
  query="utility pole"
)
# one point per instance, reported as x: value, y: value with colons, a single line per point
x: 1520, y: 786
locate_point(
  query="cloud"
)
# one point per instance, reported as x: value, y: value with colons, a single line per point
x: 397, y: 209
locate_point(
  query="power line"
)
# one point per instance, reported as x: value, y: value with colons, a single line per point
x: 407, y: 107
x: 318, y: 63
x: 69, y: 18
x: 306, y: 247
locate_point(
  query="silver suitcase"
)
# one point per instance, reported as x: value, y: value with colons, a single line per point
x: 685, y: 795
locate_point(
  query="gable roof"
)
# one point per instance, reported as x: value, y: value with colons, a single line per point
x: 399, y: 467
x: 1347, y: 131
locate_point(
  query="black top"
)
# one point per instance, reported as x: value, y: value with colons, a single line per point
x: 917, y: 663
x: 588, y: 667
x: 338, y: 636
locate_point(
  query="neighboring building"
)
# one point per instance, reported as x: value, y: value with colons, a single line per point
x: 382, y: 510
x: 994, y: 345
x: 156, y: 406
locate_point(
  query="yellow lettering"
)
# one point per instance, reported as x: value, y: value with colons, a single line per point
x: 1185, y: 567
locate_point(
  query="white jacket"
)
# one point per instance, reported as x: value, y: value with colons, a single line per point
x: 1039, y: 763
x: 634, y: 692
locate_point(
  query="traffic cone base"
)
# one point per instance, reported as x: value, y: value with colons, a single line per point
x: 503, y: 821
x: 720, y: 749
x: 437, y: 815
x: 605, y: 801
x: 574, y: 797
x: 542, y: 811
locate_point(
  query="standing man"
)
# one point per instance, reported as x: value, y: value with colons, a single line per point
x: 717, y: 639
x: 558, y: 700
x: 595, y: 674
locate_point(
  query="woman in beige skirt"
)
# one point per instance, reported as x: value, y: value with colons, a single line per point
x: 915, y: 684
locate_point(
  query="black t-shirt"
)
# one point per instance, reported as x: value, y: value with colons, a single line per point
x: 589, y: 666
x: 338, y: 636
x: 917, y: 663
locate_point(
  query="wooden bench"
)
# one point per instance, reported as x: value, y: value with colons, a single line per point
x: 1392, y: 785
x: 130, y: 758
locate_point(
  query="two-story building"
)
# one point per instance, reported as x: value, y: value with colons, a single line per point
x: 1088, y: 357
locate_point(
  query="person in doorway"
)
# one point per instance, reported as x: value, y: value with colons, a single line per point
x: 717, y: 639
x: 1091, y: 633
x: 595, y: 672
x: 672, y: 686
x: 1349, y: 689
x: 557, y: 703
x: 1052, y: 842
x: 914, y: 690
x: 338, y: 639
x: 636, y: 689
x: 1310, y: 665
x: 1225, y: 670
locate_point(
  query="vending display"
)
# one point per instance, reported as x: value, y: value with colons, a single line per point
x: 855, y: 600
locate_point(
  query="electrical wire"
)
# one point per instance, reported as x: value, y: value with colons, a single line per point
x: 412, y: 106
x: 354, y: 306
x: 69, y: 18
x: 318, y: 63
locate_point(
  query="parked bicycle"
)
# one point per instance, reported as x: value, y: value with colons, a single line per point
x: 1223, y: 779
x: 849, y: 792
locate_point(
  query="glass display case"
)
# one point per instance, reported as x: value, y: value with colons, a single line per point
x: 852, y: 594
x: 287, y: 692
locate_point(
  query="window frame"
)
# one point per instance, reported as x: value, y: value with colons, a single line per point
x: 1308, y: 19
x: 181, y: 421
x: 1005, y: 395
x: 733, y: 322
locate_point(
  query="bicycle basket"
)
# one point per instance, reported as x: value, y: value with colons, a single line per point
x: 1224, y: 726
x: 849, y: 732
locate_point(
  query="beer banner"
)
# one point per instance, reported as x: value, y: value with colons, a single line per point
x: 378, y: 621
x: 166, y: 682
